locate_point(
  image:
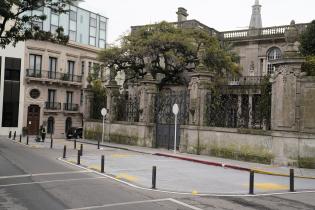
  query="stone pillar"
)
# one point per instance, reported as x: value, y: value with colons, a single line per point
x: 239, y: 111
x: 250, y: 111
x: 199, y: 87
x: 148, y: 90
x: 88, y: 97
x: 112, y: 92
x: 286, y: 86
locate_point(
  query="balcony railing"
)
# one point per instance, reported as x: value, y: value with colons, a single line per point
x: 71, y: 107
x: 53, y: 75
x: 276, y: 31
x: 52, y: 106
x: 246, y: 80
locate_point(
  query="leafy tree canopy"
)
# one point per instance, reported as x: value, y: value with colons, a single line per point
x: 307, y: 40
x: 16, y: 21
x: 169, y: 51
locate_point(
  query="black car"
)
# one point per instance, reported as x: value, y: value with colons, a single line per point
x: 74, y: 133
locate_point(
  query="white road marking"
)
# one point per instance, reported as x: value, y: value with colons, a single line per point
x: 139, y: 202
x: 43, y: 174
x: 51, y: 181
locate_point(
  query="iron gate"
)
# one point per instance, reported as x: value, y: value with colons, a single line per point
x: 165, y: 119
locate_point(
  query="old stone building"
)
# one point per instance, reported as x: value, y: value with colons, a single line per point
x: 242, y: 121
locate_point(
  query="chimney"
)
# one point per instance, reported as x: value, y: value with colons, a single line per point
x: 181, y: 14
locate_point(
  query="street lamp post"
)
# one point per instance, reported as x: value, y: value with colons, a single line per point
x: 175, y: 112
x: 103, y: 112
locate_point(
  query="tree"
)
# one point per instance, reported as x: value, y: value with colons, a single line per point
x: 307, y: 49
x: 17, y: 21
x: 98, y: 90
x: 167, y: 50
x: 307, y: 40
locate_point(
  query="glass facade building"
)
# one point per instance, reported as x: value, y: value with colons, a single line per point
x: 82, y: 26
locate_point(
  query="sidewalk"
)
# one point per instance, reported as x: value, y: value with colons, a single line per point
x: 214, y: 161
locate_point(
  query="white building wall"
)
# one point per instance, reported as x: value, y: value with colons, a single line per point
x: 13, y: 52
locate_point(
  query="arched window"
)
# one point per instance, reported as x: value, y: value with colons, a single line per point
x: 50, y: 125
x: 272, y: 54
x: 68, y: 124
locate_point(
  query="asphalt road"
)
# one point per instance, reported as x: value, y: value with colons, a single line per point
x: 33, y: 179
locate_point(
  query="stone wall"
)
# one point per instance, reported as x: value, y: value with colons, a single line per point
x: 281, y: 148
x: 139, y: 134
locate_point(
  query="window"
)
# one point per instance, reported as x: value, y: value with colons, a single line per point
x: 70, y: 70
x: 92, y: 22
x: 73, y: 15
x: 34, y: 93
x: 102, y: 43
x: 81, y: 98
x: 54, y: 22
x: 11, y: 92
x: 52, y: 68
x: 272, y: 54
x: 35, y: 65
x: 82, y: 67
x: 90, y: 67
x: 72, y: 35
x: 51, y: 96
x: 69, y: 97
x: 102, y: 25
x: 50, y: 125
x: 92, y: 41
x: 93, y: 32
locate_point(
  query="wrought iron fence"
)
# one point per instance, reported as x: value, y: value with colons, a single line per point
x: 237, y: 111
x: 164, y: 104
x: 127, y: 108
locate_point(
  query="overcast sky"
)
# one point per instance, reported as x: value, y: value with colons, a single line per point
x: 221, y: 15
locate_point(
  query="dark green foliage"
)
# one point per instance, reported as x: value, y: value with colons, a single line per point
x: 169, y: 51
x: 309, y: 66
x: 306, y: 162
x: 98, y: 90
x: 307, y: 40
x: 17, y: 24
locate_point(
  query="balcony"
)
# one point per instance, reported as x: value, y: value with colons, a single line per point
x: 261, y: 33
x: 247, y: 80
x: 71, y: 107
x: 57, y: 77
x: 55, y: 106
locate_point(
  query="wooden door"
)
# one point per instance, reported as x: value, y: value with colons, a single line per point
x: 33, y: 119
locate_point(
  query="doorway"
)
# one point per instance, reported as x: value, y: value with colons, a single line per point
x: 33, y: 115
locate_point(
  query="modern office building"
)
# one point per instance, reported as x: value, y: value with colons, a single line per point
x: 42, y: 83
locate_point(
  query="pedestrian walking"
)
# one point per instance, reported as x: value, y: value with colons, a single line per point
x: 43, y: 133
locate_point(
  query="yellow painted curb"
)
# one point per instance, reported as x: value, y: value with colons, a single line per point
x: 280, y: 174
x: 126, y: 177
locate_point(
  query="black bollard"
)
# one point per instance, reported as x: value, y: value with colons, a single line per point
x: 102, y: 164
x: 14, y: 135
x: 64, y: 151
x: 251, y: 182
x: 20, y: 138
x: 291, y: 180
x: 154, y: 177
x: 27, y: 140
x: 78, y: 161
x: 98, y: 144
x: 81, y: 149
x: 10, y: 134
x: 51, y: 143
x: 75, y: 144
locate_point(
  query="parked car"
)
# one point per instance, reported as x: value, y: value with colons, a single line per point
x: 74, y: 133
